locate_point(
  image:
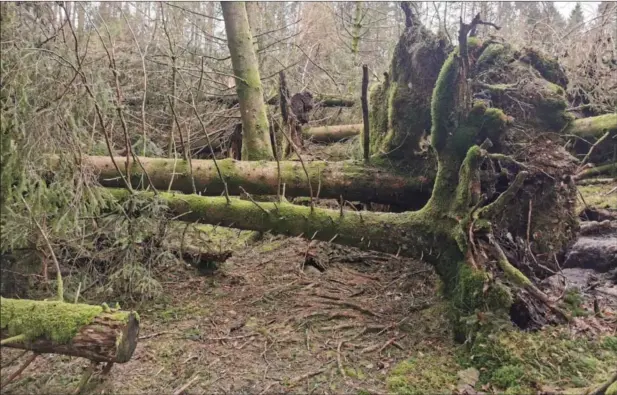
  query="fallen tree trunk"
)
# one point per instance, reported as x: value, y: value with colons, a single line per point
x: 593, y: 126
x: 230, y: 100
x: 411, y: 233
x: 610, y: 169
x: 598, y: 134
x: 80, y: 330
x: 333, y: 179
x: 328, y: 134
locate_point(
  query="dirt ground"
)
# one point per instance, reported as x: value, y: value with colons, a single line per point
x: 265, y: 322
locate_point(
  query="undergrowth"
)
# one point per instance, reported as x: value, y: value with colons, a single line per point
x: 510, y: 361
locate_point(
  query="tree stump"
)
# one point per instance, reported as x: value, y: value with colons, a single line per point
x: 97, y: 333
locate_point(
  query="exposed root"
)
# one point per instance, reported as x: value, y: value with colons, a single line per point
x: 502, y: 201
x: 521, y: 280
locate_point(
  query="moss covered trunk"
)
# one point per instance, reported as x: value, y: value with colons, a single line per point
x: 589, y: 132
x: 354, y: 182
x: 93, y: 332
x: 255, y: 129
x: 328, y: 134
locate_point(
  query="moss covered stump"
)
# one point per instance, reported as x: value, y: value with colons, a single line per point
x: 97, y: 333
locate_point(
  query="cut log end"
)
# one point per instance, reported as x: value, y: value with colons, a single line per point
x: 78, y: 330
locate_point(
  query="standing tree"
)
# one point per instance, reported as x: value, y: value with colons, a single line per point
x: 256, y: 143
x: 576, y: 17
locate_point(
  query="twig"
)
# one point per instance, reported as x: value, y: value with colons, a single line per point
x: 338, y: 358
x: 601, y: 139
x: 86, y: 377
x: 155, y: 335
x: 77, y: 293
x: 19, y: 370
x: 185, y: 386
x: 230, y: 337
x: 185, y: 150
x: 354, y: 306
x: 305, y: 376
x: 51, y: 251
x: 9, y: 363
x: 97, y: 108
x: 254, y: 202
x: 389, y: 342
x: 13, y: 339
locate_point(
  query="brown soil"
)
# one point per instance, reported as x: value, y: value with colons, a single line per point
x: 283, y: 316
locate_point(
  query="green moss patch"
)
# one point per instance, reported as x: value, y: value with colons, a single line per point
x: 515, y: 361
x: 52, y: 320
x: 424, y: 374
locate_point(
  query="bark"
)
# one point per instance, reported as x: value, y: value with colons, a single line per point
x: 411, y: 233
x: 93, y: 332
x: 608, y: 169
x: 366, y: 142
x: 601, y: 130
x: 328, y: 134
x: 255, y: 128
x: 353, y: 181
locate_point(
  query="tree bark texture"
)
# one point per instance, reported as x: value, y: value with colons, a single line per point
x: 591, y: 130
x: 329, y: 134
x: 366, y: 142
x: 255, y: 128
x: 354, y: 182
x: 93, y: 332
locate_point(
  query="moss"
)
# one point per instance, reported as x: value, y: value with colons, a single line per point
x: 573, y: 301
x: 425, y: 374
x: 508, y: 376
x: 612, y: 389
x: 548, y: 67
x: 509, y: 359
x: 493, y: 55
x: 53, y: 320
x: 595, y: 196
x: 442, y: 103
x: 593, y: 127
x: 550, y: 106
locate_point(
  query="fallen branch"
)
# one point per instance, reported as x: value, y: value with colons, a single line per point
x: 329, y: 134
x: 23, y: 367
x: 610, y: 168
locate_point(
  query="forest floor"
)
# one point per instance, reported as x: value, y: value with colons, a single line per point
x: 288, y: 316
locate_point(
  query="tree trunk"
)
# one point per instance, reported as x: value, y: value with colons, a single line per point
x: 333, y: 179
x: 93, y: 332
x: 328, y: 134
x: 591, y: 130
x: 255, y: 129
